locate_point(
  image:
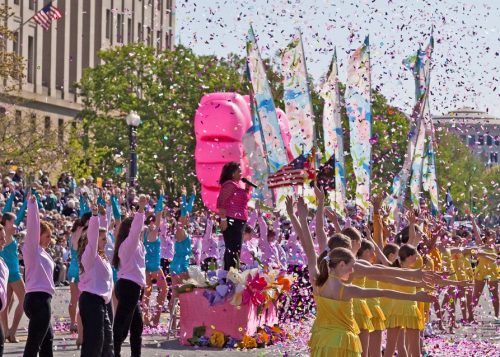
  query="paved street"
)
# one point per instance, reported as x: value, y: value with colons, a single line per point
x: 158, y: 345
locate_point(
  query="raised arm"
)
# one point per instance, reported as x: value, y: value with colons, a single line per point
x: 332, y: 216
x: 320, y: 218
x: 306, y: 239
x: 32, y: 240
x: 413, y: 238
x: 134, y: 235
x: 475, y: 231
x: 90, y: 253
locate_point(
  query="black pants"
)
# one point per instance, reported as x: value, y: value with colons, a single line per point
x: 233, y: 238
x: 96, y: 321
x: 165, y: 266
x: 128, y: 317
x: 40, y: 335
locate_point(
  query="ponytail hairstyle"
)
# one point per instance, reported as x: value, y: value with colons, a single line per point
x: 122, y: 234
x: 365, y: 245
x: 330, y: 261
x: 405, y: 251
x: 338, y: 240
x: 353, y: 233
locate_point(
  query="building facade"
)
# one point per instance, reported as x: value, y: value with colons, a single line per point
x: 478, y: 130
x: 55, y: 58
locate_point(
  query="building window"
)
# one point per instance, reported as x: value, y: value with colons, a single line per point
x: 158, y: 5
x: 472, y: 140
x: 489, y: 140
x: 33, y: 122
x: 31, y: 57
x: 493, y: 157
x: 169, y: 11
x: 109, y: 23
x: 158, y: 41
x: 15, y: 42
x: 129, y: 31
x: 16, y: 2
x: 139, y: 32
x: 3, y: 111
x: 73, y: 124
x: 60, y: 130
x: 480, y: 140
x: 150, y: 37
x: 31, y: 4
x: 119, y: 19
x: 17, y: 119
x: 46, y: 128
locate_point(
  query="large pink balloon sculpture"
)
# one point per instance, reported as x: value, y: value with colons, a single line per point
x: 220, y: 122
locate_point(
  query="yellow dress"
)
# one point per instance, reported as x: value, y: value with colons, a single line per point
x: 447, y: 266
x: 362, y: 313
x: 378, y: 316
x: 334, y: 332
x: 486, y: 269
x: 424, y: 307
x: 385, y: 303
x: 404, y: 313
x: 462, y: 267
x: 435, y: 255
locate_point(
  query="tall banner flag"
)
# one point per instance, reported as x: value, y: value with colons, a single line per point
x: 432, y: 177
x: 333, y: 135
x: 254, y: 150
x: 297, y: 97
x: 420, y: 66
x: 273, y: 141
x: 359, y: 112
x: 421, y: 72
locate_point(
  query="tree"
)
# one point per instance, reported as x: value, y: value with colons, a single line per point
x: 165, y: 90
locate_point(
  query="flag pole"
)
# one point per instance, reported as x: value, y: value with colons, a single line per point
x: 31, y: 18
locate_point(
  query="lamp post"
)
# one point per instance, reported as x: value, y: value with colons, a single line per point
x: 133, y: 120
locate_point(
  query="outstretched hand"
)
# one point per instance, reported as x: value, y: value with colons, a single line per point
x: 289, y: 203
x: 320, y: 195
x: 302, y: 209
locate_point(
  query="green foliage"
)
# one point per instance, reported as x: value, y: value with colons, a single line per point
x: 471, y: 182
x: 165, y: 90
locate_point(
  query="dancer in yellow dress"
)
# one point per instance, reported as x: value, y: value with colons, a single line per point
x: 334, y: 330
x: 487, y: 268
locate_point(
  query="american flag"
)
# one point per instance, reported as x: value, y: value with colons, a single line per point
x: 45, y: 16
x: 294, y: 174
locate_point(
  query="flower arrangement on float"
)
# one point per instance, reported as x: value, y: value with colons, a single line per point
x: 265, y: 336
x: 256, y: 286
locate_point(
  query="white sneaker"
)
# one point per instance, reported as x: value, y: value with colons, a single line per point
x: 428, y: 330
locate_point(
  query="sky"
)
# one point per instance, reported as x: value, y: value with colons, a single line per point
x: 466, y: 58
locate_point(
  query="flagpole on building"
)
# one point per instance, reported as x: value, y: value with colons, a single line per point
x: 31, y: 18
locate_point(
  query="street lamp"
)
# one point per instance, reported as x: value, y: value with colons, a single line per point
x: 133, y: 120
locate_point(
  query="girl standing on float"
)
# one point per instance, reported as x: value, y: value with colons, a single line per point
x: 154, y: 273
x: 10, y: 255
x: 129, y: 259
x: 96, y: 286
x: 39, y: 272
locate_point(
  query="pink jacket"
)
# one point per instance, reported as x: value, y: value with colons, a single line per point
x: 132, y: 253
x: 4, y: 277
x: 97, y: 277
x: 39, y: 266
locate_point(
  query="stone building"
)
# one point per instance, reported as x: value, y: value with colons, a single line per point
x: 478, y: 130
x: 55, y: 58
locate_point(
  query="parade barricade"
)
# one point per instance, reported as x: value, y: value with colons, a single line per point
x: 234, y: 321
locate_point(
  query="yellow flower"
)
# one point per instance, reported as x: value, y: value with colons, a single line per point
x: 249, y: 342
x: 217, y: 339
